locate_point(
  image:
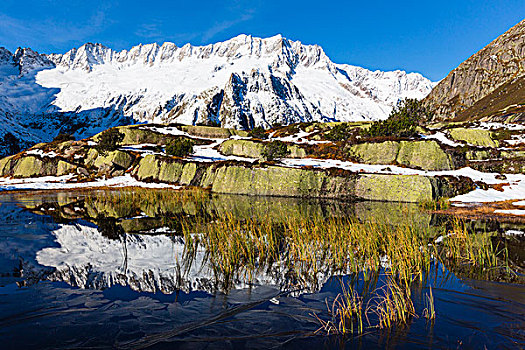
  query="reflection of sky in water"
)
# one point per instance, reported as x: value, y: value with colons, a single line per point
x: 57, y: 315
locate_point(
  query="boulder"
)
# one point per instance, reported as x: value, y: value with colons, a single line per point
x: 30, y: 166
x: 5, y: 166
x: 166, y: 169
x: 426, y: 155
x: 394, y: 188
x: 64, y: 168
x: 120, y: 159
x: 475, y: 137
x: 375, y: 153
x: 254, y: 149
x: 278, y: 181
x: 212, y: 132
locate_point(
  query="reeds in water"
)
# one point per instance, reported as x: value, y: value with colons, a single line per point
x: 346, y: 314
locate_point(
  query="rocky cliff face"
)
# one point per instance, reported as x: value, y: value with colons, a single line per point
x: 241, y: 83
x: 472, y: 90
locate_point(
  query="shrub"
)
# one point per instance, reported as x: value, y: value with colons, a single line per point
x: 275, y: 150
x: 109, y: 141
x: 402, y: 121
x: 340, y: 132
x: 63, y: 138
x: 11, y: 143
x: 258, y: 133
x: 180, y: 147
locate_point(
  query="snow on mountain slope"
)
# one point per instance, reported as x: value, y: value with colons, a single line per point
x: 241, y: 83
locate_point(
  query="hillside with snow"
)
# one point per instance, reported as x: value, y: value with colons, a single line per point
x: 240, y: 83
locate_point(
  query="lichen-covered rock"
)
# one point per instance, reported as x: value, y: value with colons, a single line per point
x: 280, y: 181
x: 426, y: 155
x: 64, y: 168
x: 91, y: 156
x: 5, y: 166
x: 30, y: 166
x: 394, y: 188
x: 137, y: 135
x: 248, y: 179
x: 254, y: 149
x: 375, y: 153
x: 170, y: 172
x: 510, y: 154
x: 478, y: 155
x: 166, y: 169
x: 148, y: 168
x: 212, y: 132
x: 242, y: 148
x: 476, y: 137
x: 120, y: 159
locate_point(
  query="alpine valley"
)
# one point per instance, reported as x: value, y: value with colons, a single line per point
x: 254, y: 194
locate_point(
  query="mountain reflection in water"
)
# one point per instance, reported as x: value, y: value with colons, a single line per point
x: 81, y: 272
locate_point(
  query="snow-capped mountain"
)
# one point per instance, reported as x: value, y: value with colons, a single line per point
x: 241, y: 83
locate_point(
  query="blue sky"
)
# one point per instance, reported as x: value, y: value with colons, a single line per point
x: 430, y: 37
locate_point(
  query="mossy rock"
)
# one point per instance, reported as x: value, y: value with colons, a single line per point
x: 426, y: 155
x: 278, y: 181
x: 254, y: 149
x: 32, y: 167
x: 5, y: 166
x: 375, y: 153
x: 117, y: 158
x: 476, y: 137
x: 136, y: 135
x: 164, y: 169
x: 478, y: 155
x: 394, y: 188
x: 242, y: 148
x: 512, y: 154
x: 64, y: 168
x: 212, y: 132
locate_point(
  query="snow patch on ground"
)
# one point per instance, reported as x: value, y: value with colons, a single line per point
x: 510, y: 211
x: 207, y: 153
x: 41, y: 153
x: 440, y: 136
x: 61, y: 183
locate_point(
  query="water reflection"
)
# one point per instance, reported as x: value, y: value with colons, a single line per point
x: 103, y: 243
x: 138, y: 291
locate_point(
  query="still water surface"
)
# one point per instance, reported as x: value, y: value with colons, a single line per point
x: 66, y: 282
